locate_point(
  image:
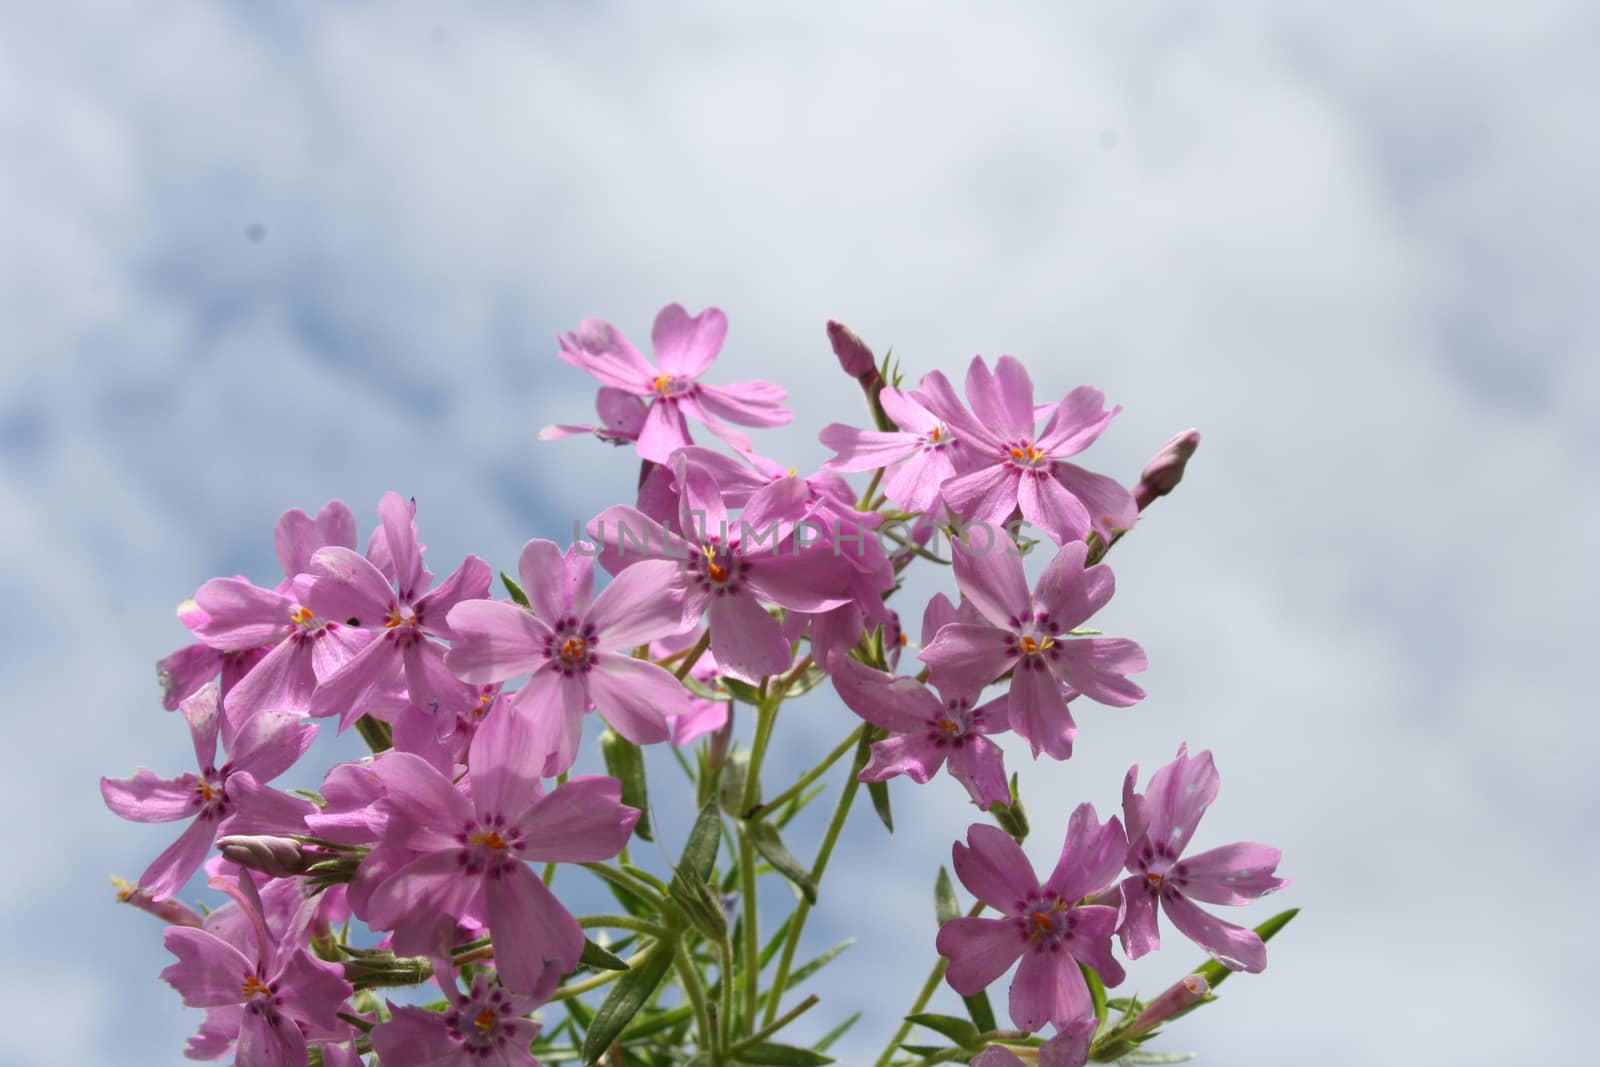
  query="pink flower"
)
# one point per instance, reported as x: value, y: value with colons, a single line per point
x: 1160, y: 825
x: 229, y: 799
x: 577, y: 647
x: 272, y: 997
x: 1030, y: 636
x: 684, y: 349
x: 1017, y: 466
x: 471, y: 851
x: 1069, y: 1048
x: 487, y: 1025
x: 922, y: 456
x: 399, y: 612
x: 1042, y: 923
x: 925, y: 731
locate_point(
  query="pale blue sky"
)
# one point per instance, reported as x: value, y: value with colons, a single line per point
x: 1354, y: 245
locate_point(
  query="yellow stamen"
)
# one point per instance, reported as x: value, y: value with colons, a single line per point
x: 718, y: 573
x: 484, y: 1021
x: 207, y: 792
x: 301, y: 616
x: 488, y: 839
x: 574, y: 649
x: 1041, y: 919
x: 1027, y: 453
x: 663, y: 383
x: 1032, y: 645
x: 394, y: 618
x: 936, y: 434
x: 254, y: 987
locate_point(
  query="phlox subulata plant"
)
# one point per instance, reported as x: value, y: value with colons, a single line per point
x: 724, y: 588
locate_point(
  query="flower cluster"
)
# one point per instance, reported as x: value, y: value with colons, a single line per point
x: 729, y: 581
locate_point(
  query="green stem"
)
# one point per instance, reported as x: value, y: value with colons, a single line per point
x: 830, y: 838
x: 766, y: 717
x: 725, y: 964
x: 689, y: 974
x: 872, y: 487
x: 777, y: 1024
x: 935, y: 976
x: 810, y: 776
x: 626, y: 881
x: 622, y: 922
x: 694, y: 655
x: 567, y: 992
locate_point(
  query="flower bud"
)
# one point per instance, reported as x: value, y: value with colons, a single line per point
x: 1165, y: 470
x: 1182, y: 995
x: 277, y: 857
x: 854, y: 355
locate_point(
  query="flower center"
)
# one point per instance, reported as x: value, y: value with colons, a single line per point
x: 572, y: 646
x: 490, y: 839
x: 667, y: 385
x: 254, y: 987
x: 1026, y: 453
x: 1034, y: 645
x: 489, y: 846
x: 717, y: 568
x: 397, y: 618
x: 485, y: 1020
x: 574, y: 649
x: 1045, y: 922
x: 301, y: 616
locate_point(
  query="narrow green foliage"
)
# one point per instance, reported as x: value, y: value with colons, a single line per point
x: 979, y: 1010
x: 806, y: 970
x: 625, y: 762
x: 514, y: 590
x: 769, y: 1054
x: 945, y: 905
x: 879, y: 792
x: 960, y: 1031
x: 836, y: 1033
x: 632, y: 991
x: 1097, y: 990
x: 764, y: 836
x: 598, y: 958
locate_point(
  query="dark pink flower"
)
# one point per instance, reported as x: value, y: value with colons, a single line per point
x: 576, y: 647
x: 1160, y: 825
x: 397, y: 609
x: 232, y: 798
x: 488, y: 1025
x: 1030, y: 635
x: 1043, y: 924
x: 684, y: 349
x: 471, y: 850
x: 1019, y: 467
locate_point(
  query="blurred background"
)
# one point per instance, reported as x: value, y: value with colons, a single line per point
x: 255, y: 257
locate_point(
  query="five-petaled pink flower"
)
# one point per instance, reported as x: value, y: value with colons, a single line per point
x: 1160, y: 823
x: 471, y: 851
x: 487, y: 1026
x: 1016, y: 467
x: 232, y: 798
x: 684, y: 349
x: 1030, y: 635
x: 1044, y: 924
x: 577, y: 647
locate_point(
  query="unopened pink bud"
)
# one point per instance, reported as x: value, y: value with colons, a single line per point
x: 1165, y: 470
x: 854, y: 355
x: 1182, y: 995
x: 280, y: 857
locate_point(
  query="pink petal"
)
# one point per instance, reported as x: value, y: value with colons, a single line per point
x: 265, y: 1042
x: 495, y: 640
x: 582, y: 821
x: 627, y: 535
x: 916, y: 420
x: 746, y: 403
x: 994, y: 869
x: 204, y: 717
x: 979, y: 951
x: 1002, y: 401
x: 536, y: 939
x: 1091, y: 856
x: 416, y: 791
x: 146, y: 798
x: 816, y: 578
x: 1111, y: 506
x: 209, y: 971
x: 1076, y: 422
x: 745, y: 639
x: 348, y: 586
x: 901, y: 705
x: 639, y: 605
x: 636, y: 697
x: 987, y: 495
x: 1045, y: 503
x: 1070, y: 594
x: 187, y: 669
x: 259, y: 809
x: 1098, y: 667
x: 1038, y: 711
x: 865, y: 450
x: 1048, y: 988
x: 684, y: 346
x: 297, y: 535
x: 398, y: 516
x: 939, y: 397
x: 314, y: 991
x: 703, y: 717
x: 1230, y: 874
x: 269, y: 743
x: 286, y: 679
x: 426, y: 894
x: 966, y: 657
x: 1179, y: 794
x: 1139, y: 930
x: 470, y: 581
x: 239, y: 615
x: 664, y: 431
x: 558, y: 584
x: 177, y: 863
x: 351, y: 690
x: 416, y: 1037
x: 506, y: 756
x: 915, y: 486
x: 600, y: 348
x: 939, y: 612
x: 915, y: 756
x: 1232, y: 946
x: 990, y: 576
x: 980, y: 766
x: 1135, y: 812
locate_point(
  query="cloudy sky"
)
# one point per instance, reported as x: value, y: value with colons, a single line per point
x: 261, y: 256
